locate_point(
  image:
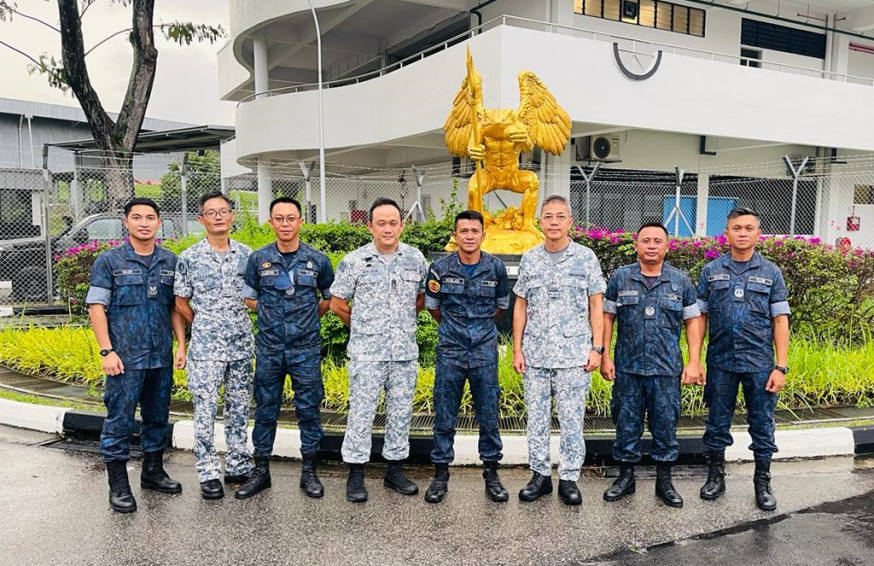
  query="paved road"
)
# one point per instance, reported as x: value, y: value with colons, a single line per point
x: 54, y: 511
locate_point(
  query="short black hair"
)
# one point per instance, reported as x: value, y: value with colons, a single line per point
x: 383, y: 202
x: 286, y: 200
x: 653, y: 225
x: 215, y: 194
x: 141, y: 200
x: 742, y: 211
x: 469, y: 215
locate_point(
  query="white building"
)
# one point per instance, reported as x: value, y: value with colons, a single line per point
x: 735, y: 86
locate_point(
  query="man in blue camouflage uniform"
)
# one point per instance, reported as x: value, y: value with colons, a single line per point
x: 650, y: 302
x: 744, y: 299
x: 557, y: 329
x: 464, y: 292
x: 209, y: 295
x: 385, y: 279
x: 130, y: 303
x: 287, y: 283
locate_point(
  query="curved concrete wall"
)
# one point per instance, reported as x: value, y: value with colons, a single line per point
x: 687, y: 95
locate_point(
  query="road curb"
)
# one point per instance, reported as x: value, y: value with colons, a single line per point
x: 793, y: 443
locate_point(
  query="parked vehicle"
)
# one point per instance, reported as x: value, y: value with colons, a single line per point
x: 23, y: 260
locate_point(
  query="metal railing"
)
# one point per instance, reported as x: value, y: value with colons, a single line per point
x: 635, y: 48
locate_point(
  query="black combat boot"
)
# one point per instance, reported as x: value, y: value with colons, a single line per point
x: 396, y: 480
x: 569, y: 493
x: 237, y: 479
x: 211, y: 489
x: 624, y: 484
x: 664, y: 488
x: 259, y: 479
x: 355, y: 490
x: 439, y: 485
x: 309, y: 481
x: 715, y: 484
x: 537, y: 487
x: 765, y: 499
x: 494, y: 489
x: 154, y: 477
x: 120, y: 497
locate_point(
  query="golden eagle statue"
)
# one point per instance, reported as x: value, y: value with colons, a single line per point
x: 493, y: 139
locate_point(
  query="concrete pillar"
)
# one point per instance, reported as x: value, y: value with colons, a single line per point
x: 701, y: 204
x: 262, y: 85
x: 840, y: 59
x: 261, y: 70
x: 265, y: 190
x: 557, y: 174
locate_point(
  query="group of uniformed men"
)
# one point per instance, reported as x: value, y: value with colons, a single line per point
x: 563, y: 320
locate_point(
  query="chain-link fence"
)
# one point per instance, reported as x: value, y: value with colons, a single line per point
x: 44, y: 213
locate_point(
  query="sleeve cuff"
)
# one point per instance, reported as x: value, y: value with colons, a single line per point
x: 609, y: 306
x: 326, y: 293
x: 692, y: 311
x: 600, y: 287
x: 431, y: 303
x: 780, y: 308
x: 98, y: 296
x: 702, y: 306
x: 504, y: 302
x: 249, y: 292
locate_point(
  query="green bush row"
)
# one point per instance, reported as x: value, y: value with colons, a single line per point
x: 822, y: 374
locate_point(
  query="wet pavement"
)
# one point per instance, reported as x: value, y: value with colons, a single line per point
x: 54, y: 510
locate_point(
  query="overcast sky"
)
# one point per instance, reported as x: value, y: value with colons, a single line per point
x: 185, y: 82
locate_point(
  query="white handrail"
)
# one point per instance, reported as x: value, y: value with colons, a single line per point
x: 505, y: 20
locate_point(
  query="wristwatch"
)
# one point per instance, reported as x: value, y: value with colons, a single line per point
x: 598, y: 350
x: 106, y: 352
x: 782, y: 369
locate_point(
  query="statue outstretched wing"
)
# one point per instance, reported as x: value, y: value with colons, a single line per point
x: 466, y: 114
x: 549, y: 125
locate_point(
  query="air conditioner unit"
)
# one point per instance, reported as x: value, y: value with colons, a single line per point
x: 605, y: 148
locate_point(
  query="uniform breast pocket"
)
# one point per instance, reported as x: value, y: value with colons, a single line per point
x: 758, y: 295
x: 306, y: 279
x: 128, y: 290
x: 206, y: 285
x: 486, y: 289
x: 720, y: 295
x: 579, y: 287
x: 410, y: 281
x: 626, y: 305
x: 671, y: 312
x: 165, y: 293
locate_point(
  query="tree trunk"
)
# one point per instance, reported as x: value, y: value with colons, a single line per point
x: 119, y: 181
x: 115, y: 139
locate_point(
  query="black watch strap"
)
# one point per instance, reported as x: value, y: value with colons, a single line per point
x: 106, y: 352
x: 782, y: 369
x: 598, y: 349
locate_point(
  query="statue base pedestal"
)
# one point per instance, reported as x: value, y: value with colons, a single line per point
x: 510, y: 242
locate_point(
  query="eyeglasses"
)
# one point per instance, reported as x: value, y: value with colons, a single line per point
x: 285, y: 219
x: 216, y: 213
x: 551, y: 217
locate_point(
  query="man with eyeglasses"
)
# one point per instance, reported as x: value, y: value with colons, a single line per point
x: 288, y: 285
x: 557, y: 331
x: 209, y: 295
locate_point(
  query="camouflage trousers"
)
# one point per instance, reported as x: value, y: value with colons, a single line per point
x: 366, y: 381
x: 570, y: 387
x: 658, y: 398
x: 205, y: 377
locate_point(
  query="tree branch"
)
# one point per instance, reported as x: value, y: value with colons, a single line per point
x: 139, y: 88
x: 76, y: 76
x: 19, y: 51
x: 6, y: 7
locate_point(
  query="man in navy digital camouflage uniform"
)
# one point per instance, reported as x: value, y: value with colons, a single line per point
x: 209, y: 295
x: 130, y: 303
x: 650, y: 302
x: 743, y: 301
x: 287, y: 284
x: 464, y: 293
